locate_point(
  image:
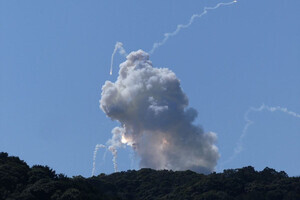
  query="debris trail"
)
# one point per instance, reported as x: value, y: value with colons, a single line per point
x: 114, y: 152
x: 118, y: 46
x: 97, y: 147
x: 239, y: 146
x: 183, y: 26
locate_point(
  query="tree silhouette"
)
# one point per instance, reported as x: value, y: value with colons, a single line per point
x: 19, y: 181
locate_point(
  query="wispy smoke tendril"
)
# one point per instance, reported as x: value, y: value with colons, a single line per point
x: 97, y: 147
x: 118, y: 46
x: 184, y: 26
x: 239, y: 146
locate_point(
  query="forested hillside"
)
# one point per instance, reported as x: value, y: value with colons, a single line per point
x: 19, y: 181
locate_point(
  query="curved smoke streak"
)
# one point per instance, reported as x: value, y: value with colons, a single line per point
x: 239, y: 146
x: 97, y: 147
x: 183, y: 26
x: 118, y: 46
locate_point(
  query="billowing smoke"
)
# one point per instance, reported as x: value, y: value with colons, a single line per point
x: 155, y: 119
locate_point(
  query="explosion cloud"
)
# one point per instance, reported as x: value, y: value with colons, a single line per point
x: 155, y: 119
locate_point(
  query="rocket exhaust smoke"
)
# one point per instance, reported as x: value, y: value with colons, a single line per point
x: 239, y: 146
x: 155, y: 119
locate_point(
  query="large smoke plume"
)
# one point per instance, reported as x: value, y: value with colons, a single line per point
x: 155, y: 119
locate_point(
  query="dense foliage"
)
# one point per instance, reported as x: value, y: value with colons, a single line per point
x: 19, y: 181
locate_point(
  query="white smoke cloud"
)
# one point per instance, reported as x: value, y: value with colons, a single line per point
x: 155, y: 119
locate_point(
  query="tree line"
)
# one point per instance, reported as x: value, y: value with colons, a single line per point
x: 19, y: 181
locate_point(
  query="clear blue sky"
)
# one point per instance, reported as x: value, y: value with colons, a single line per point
x: 55, y: 56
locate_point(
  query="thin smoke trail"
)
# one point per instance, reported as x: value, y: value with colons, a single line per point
x: 114, y: 152
x: 183, y: 26
x: 118, y: 46
x: 97, y: 147
x: 239, y: 147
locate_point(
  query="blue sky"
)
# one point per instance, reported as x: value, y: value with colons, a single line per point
x: 55, y: 56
